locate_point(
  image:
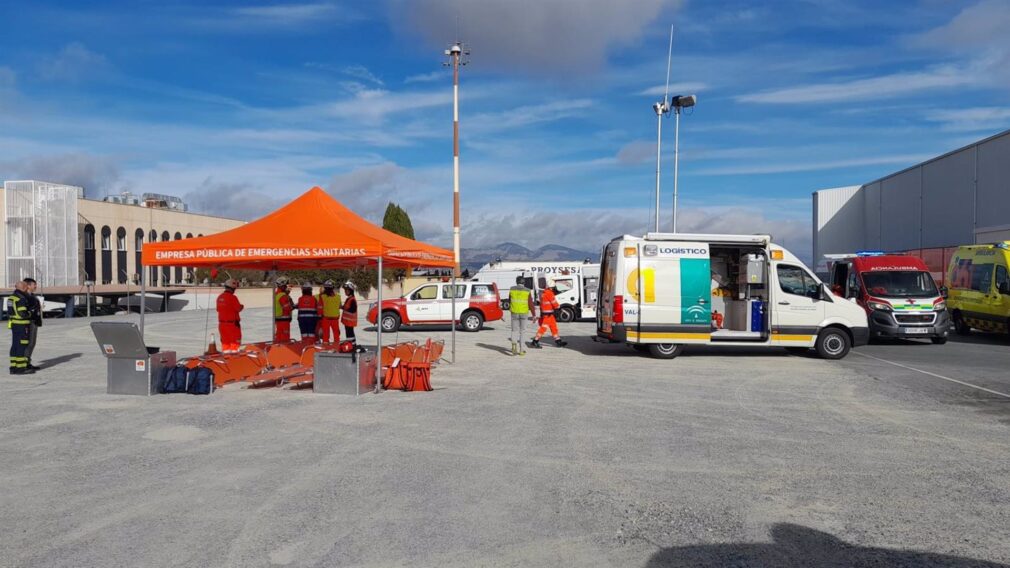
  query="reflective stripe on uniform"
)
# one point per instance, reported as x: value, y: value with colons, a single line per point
x: 519, y: 300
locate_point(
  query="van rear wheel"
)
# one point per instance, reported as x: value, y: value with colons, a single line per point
x: 833, y: 343
x: 961, y: 326
x: 665, y: 350
x: 566, y: 314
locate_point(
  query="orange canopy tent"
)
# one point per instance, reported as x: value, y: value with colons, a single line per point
x: 313, y: 231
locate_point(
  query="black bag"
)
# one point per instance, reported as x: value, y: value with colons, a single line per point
x: 174, y: 379
x: 201, y: 381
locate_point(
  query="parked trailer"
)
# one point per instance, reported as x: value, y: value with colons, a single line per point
x: 581, y: 279
x: 663, y: 291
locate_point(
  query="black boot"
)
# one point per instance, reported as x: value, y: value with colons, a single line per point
x: 560, y: 342
x: 535, y: 344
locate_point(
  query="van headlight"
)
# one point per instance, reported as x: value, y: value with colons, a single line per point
x: 940, y: 306
x: 879, y: 306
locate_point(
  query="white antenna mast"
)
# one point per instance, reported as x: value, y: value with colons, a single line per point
x: 662, y: 108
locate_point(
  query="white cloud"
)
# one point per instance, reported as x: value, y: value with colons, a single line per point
x: 234, y: 200
x: 362, y: 72
x: 971, y: 119
x: 809, y: 166
x: 979, y: 33
x: 98, y: 175
x: 427, y: 77
x: 527, y: 115
x: 873, y: 88
x: 686, y: 88
x: 280, y: 17
x: 74, y: 62
x: 541, y: 37
x: 636, y: 152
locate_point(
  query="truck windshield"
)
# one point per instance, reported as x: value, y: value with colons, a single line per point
x: 899, y: 283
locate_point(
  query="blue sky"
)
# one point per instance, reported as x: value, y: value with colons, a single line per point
x: 241, y: 106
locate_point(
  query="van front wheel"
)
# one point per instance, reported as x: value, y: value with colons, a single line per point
x: 833, y: 343
x: 665, y: 350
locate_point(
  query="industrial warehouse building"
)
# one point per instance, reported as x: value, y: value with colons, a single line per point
x: 962, y: 197
x: 55, y: 235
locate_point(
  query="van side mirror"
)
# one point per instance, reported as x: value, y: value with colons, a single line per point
x: 944, y: 291
x: 1004, y: 288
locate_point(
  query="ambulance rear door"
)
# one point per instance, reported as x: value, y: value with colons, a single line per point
x: 671, y: 287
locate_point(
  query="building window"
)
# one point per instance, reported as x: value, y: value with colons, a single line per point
x: 89, y: 237
x: 189, y: 235
x: 153, y: 236
x: 106, y: 238
x: 121, y: 239
x: 138, y: 240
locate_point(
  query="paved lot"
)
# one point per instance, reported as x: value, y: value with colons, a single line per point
x: 587, y: 456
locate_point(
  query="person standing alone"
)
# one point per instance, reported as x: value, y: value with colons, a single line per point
x: 349, y: 313
x: 282, y: 312
x: 329, y: 313
x: 228, y: 319
x: 521, y: 310
x: 18, y: 320
x: 33, y: 328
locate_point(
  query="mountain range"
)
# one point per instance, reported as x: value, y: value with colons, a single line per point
x: 474, y: 258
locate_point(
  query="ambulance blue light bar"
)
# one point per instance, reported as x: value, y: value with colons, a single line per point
x: 870, y: 253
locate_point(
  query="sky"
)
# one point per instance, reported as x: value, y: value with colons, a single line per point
x: 239, y: 107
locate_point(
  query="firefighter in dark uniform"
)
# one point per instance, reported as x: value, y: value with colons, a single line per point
x: 19, y: 318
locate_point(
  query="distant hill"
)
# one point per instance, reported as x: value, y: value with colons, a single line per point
x: 474, y: 258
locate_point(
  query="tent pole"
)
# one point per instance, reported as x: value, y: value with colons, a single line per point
x: 143, y: 299
x: 378, y: 330
x: 453, y: 316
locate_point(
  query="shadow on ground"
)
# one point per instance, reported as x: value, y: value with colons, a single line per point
x: 57, y: 360
x: 795, y: 545
x: 498, y: 348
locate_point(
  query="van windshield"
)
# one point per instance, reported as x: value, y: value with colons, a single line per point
x: 899, y: 283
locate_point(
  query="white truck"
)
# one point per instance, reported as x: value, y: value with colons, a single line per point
x: 581, y: 279
x: 663, y: 291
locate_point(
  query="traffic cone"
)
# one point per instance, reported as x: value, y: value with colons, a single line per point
x: 212, y: 346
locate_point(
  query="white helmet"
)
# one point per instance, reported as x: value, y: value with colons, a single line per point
x: 231, y: 283
x: 349, y: 285
x: 328, y: 284
x: 282, y: 281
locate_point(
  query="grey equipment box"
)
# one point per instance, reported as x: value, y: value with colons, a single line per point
x: 344, y: 373
x: 133, y: 367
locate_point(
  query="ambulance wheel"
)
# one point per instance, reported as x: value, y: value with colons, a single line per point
x: 961, y: 326
x: 472, y: 321
x: 938, y: 340
x: 566, y: 314
x: 390, y: 322
x: 665, y: 350
x: 833, y: 343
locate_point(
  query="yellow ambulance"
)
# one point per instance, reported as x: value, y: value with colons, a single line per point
x: 978, y: 293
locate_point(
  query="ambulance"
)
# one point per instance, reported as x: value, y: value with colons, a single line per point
x: 577, y: 283
x: 896, y: 290
x: 663, y: 291
x: 979, y: 288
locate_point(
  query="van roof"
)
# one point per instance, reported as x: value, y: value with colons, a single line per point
x: 1005, y: 245
x: 701, y: 237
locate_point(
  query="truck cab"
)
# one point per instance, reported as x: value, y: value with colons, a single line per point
x: 578, y: 280
x: 897, y: 291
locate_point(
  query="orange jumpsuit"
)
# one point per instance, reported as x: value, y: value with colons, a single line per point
x: 228, y: 321
x: 329, y: 317
x: 548, y: 305
x: 282, y: 316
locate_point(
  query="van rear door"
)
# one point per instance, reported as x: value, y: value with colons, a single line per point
x: 608, y: 289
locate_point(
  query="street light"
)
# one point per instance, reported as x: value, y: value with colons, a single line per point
x: 677, y: 103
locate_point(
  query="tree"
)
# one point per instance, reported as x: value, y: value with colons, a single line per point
x: 396, y: 220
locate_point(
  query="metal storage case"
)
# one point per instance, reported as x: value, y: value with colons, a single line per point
x: 344, y: 373
x: 133, y: 368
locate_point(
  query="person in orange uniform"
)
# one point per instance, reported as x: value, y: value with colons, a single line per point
x: 548, y: 306
x: 329, y: 313
x: 308, y: 314
x: 282, y: 311
x: 349, y: 313
x: 228, y: 319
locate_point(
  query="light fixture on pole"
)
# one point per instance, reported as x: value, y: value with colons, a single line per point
x: 678, y: 102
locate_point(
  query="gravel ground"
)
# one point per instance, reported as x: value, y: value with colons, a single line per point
x: 586, y: 456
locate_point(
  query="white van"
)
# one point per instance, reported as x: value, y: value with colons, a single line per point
x: 580, y: 278
x: 663, y: 291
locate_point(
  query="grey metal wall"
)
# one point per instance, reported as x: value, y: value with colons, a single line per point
x: 943, y: 202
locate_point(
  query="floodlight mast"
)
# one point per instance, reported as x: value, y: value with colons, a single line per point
x: 457, y: 55
x: 678, y: 102
x: 662, y: 108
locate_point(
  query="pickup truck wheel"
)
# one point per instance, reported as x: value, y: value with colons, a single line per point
x: 472, y: 321
x: 390, y: 322
x: 566, y: 314
x: 938, y: 340
x: 833, y: 343
x: 665, y: 350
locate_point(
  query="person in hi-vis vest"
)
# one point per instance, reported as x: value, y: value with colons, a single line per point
x: 521, y: 311
x: 548, y: 308
x: 329, y: 313
x: 349, y: 313
x: 282, y: 312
